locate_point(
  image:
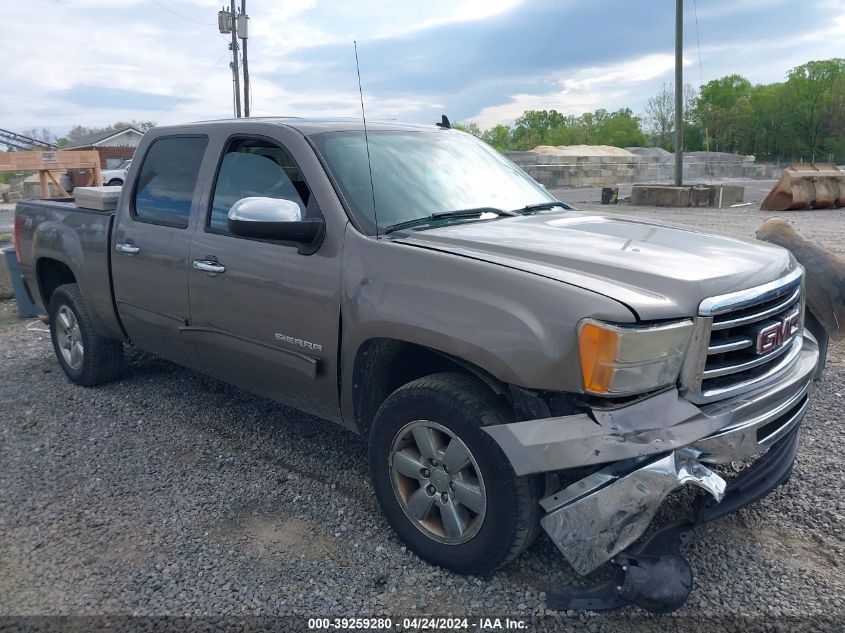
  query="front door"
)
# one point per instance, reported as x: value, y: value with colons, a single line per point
x: 152, y: 244
x: 264, y: 316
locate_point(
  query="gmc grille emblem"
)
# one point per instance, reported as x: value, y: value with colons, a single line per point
x: 773, y: 336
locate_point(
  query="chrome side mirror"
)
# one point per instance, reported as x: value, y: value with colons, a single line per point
x: 265, y: 210
x: 276, y: 219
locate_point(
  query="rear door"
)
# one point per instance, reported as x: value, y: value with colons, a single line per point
x: 268, y: 320
x: 152, y: 246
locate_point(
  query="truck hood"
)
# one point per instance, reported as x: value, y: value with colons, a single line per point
x: 658, y: 271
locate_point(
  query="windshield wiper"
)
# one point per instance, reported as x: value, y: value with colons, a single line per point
x: 447, y: 215
x: 543, y: 206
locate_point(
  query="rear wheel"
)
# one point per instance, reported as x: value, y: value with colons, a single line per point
x: 86, y: 357
x: 443, y: 483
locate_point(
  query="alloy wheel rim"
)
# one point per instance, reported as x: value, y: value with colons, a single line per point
x: 437, y: 482
x: 69, y: 338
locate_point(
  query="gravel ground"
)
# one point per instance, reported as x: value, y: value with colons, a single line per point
x: 826, y: 226
x: 170, y: 493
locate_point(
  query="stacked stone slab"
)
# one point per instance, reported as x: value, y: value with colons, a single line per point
x: 693, y: 195
x: 598, y: 171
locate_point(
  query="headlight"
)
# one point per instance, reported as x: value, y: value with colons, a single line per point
x: 618, y: 360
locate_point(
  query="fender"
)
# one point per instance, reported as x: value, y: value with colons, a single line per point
x: 524, y: 336
x: 89, y: 263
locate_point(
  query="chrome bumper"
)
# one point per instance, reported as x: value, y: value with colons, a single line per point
x: 597, y: 517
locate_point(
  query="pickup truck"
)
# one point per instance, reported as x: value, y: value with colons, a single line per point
x: 514, y: 364
x: 117, y: 176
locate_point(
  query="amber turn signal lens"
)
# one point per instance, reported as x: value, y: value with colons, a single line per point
x: 599, y: 348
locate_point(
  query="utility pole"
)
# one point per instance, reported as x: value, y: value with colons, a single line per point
x: 229, y: 21
x: 235, y: 72
x: 679, y: 92
x: 243, y: 32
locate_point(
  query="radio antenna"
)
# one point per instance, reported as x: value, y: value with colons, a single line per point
x: 366, y: 137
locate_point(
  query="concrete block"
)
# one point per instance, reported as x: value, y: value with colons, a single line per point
x: 730, y: 194
x: 700, y: 196
x: 660, y: 196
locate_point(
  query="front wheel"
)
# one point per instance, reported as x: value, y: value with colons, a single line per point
x: 443, y: 484
x: 86, y: 357
x: 115, y: 182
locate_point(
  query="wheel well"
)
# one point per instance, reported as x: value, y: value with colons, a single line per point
x: 51, y: 274
x: 384, y: 365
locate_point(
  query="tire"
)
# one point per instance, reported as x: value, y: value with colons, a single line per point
x: 449, y: 407
x: 86, y: 357
x: 115, y: 182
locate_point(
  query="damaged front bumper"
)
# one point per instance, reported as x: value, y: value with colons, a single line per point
x: 652, y: 447
x: 599, y: 516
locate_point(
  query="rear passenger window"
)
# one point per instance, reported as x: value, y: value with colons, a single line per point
x: 167, y: 180
x: 255, y: 167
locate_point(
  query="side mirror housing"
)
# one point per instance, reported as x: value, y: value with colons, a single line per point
x: 276, y: 219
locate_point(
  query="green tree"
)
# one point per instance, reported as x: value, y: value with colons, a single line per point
x: 722, y: 110
x: 620, y: 128
x: 534, y: 127
x: 693, y: 132
x: 802, y: 117
x: 500, y: 137
x: 470, y: 128
x: 817, y: 102
x: 773, y: 134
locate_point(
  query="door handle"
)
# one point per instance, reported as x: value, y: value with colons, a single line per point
x: 209, y: 266
x: 127, y: 247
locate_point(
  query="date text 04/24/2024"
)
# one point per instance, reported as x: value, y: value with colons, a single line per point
x: 418, y: 623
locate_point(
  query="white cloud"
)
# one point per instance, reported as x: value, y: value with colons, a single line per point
x: 470, y: 10
x: 145, y: 46
x: 585, y: 90
x: 707, y: 12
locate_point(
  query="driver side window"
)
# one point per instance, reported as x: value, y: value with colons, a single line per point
x: 255, y: 167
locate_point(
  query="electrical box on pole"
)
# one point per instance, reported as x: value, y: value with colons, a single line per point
x: 224, y: 21
x: 236, y: 24
x: 243, y: 26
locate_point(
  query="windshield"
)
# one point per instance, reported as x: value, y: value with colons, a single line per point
x: 124, y: 165
x: 416, y: 174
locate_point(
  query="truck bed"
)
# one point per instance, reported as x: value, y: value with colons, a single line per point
x: 56, y: 237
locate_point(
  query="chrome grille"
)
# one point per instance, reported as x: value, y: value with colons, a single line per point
x: 728, y: 361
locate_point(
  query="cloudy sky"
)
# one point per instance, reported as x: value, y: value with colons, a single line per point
x: 94, y: 62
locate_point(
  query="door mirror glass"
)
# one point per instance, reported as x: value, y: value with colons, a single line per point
x: 274, y: 219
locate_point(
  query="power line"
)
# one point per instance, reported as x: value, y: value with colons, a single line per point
x: 698, y: 41
x: 179, y: 15
x: 194, y: 87
x: 700, y: 73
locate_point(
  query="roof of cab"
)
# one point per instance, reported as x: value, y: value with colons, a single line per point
x: 309, y: 126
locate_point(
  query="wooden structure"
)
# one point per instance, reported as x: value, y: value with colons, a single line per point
x: 43, y: 162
